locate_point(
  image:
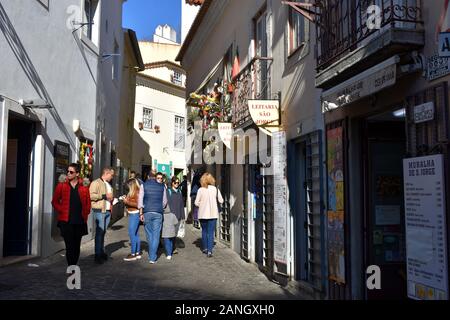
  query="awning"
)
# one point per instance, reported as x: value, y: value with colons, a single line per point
x: 372, y: 80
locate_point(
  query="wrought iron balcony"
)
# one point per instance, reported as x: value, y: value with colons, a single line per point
x: 345, y: 25
x: 253, y: 82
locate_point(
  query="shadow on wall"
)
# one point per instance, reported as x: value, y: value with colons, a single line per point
x: 141, y: 152
x: 30, y: 71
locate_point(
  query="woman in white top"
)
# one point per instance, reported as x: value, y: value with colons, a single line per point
x: 207, y: 197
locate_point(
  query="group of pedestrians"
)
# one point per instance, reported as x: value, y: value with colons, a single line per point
x: 159, y: 207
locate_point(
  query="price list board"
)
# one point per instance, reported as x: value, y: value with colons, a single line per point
x: 426, y: 243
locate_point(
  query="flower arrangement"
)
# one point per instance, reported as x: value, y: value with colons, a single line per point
x: 86, y: 160
x: 211, y: 108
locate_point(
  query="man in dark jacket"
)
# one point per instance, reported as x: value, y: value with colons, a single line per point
x: 72, y: 202
x: 152, y: 201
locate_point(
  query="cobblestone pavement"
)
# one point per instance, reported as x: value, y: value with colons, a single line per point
x: 189, y: 275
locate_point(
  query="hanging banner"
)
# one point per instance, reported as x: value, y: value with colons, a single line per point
x: 264, y: 112
x: 280, y: 196
x: 444, y: 21
x: 426, y: 233
x: 225, y: 133
x: 335, y: 223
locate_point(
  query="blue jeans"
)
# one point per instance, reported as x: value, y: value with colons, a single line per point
x: 168, y: 244
x: 101, y: 223
x: 153, y: 225
x: 133, y: 232
x: 208, y: 229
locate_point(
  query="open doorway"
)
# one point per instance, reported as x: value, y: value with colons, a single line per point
x: 385, y: 149
x: 17, y: 231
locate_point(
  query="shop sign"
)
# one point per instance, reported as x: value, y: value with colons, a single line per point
x: 225, y: 133
x: 426, y: 243
x: 424, y: 112
x: 264, y: 112
x: 368, y: 82
x: 444, y: 44
x: 437, y: 67
x: 280, y: 196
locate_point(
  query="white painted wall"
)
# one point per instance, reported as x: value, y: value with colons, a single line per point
x: 41, y: 57
x: 188, y: 14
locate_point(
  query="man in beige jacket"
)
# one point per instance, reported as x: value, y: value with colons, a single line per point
x: 102, y: 198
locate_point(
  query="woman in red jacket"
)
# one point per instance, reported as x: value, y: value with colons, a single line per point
x: 72, y: 202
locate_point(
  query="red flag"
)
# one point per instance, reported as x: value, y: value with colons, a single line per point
x: 236, y: 66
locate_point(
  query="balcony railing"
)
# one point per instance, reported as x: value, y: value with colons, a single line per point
x: 344, y: 25
x: 253, y: 82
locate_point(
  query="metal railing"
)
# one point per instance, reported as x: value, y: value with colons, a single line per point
x: 342, y: 25
x: 253, y: 82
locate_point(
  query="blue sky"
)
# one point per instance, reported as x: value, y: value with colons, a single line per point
x: 144, y: 15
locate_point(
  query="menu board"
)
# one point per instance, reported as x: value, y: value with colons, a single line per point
x: 280, y: 198
x: 62, y: 159
x: 426, y: 247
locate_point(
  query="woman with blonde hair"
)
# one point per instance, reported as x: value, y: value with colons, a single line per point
x: 131, y: 202
x: 208, y: 213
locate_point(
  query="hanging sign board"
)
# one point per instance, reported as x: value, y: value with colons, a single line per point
x: 426, y: 235
x: 444, y: 44
x: 424, y: 112
x: 264, y: 112
x: 437, y: 67
x: 280, y: 196
x: 225, y: 133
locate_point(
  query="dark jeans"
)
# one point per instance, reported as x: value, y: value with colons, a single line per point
x: 208, y: 230
x: 72, y: 234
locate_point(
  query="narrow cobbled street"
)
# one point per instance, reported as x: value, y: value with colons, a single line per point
x: 189, y: 275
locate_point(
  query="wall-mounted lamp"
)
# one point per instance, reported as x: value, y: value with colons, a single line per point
x: 35, y: 104
x: 76, y: 125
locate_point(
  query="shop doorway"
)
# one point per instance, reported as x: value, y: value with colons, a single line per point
x: 17, y: 231
x: 385, y: 149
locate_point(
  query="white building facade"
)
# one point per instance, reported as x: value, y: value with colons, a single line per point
x: 160, y: 113
x: 53, y: 94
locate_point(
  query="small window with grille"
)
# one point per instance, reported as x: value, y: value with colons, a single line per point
x: 147, y: 118
x: 177, y: 78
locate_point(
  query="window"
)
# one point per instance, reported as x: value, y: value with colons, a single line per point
x: 180, y: 128
x: 177, y: 78
x: 296, y: 30
x: 147, y: 118
x: 90, y: 9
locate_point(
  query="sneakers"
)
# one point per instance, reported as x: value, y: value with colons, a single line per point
x: 175, y: 251
x: 130, y: 257
x: 209, y: 255
x: 169, y: 257
x: 152, y: 262
x: 205, y: 251
x: 138, y: 255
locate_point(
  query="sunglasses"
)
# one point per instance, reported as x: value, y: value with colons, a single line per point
x: 176, y: 182
x: 70, y: 172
